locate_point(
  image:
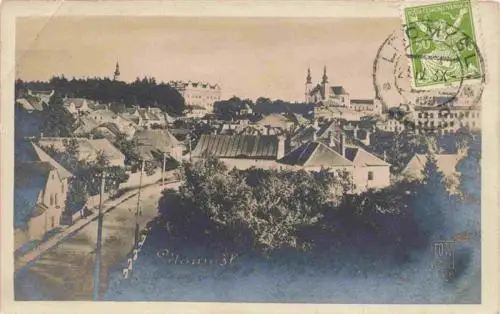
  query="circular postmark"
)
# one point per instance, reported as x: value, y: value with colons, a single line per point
x: 395, y: 79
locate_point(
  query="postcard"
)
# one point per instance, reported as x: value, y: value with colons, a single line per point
x: 250, y: 156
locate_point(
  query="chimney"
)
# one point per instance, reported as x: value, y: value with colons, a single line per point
x: 315, y: 124
x: 268, y: 130
x: 367, y: 140
x: 281, y: 147
x: 315, y: 136
x: 41, y: 135
x: 331, y: 139
x: 342, y: 144
x: 356, y: 129
x: 91, y: 136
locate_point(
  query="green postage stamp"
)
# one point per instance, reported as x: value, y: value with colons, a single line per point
x: 441, y: 44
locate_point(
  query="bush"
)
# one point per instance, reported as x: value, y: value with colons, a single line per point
x: 254, y: 208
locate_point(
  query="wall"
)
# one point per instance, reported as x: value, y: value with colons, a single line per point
x: 204, y: 97
x: 381, y: 177
x: 20, y: 238
x: 54, y: 195
x: 41, y: 224
x: 247, y: 163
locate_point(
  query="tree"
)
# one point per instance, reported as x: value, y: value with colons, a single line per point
x: 248, y: 209
x: 432, y: 203
x: 55, y: 119
x: 25, y: 124
x: 69, y: 159
x: 145, y: 92
x: 128, y: 148
x: 229, y: 109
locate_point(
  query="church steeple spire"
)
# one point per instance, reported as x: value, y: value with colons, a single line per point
x: 325, y: 77
x: 308, y: 79
x: 116, y: 75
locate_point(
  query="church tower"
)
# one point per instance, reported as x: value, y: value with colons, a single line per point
x: 308, y: 86
x: 116, y: 75
x: 324, y: 85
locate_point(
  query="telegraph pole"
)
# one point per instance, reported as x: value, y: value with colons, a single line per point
x: 189, y: 142
x: 163, y: 169
x: 138, y: 206
x: 97, y: 264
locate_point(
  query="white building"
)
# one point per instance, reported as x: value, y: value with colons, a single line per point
x: 445, y: 121
x: 367, y: 171
x: 198, y: 93
x: 335, y: 102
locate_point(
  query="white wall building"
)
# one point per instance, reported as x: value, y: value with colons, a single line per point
x: 198, y: 93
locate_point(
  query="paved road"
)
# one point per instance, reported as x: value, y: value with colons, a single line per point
x: 65, y: 271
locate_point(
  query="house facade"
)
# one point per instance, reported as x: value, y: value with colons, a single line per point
x: 40, y: 192
x: 160, y: 141
x: 76, y: 106
x: 447, y: 121
x: 196, y: 111
x: 88, y: 149
x: 446, y: 163
x: 145, y: 117
x: 390, y: 125
x: 198, y: 93
x: 35, y: 100
x: 366, y: 170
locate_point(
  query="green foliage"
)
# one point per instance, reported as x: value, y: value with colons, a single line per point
x: 229, y: 109
x: 267, y: 106
x: 55, y: 120
x: 25, y: 124
x: 128, y: 148
x: 143, y: 92
x: 398, y: 148
x: 86, y: 175
x: 253, y: 208
x: 433, y: 200
x: 77, y: 195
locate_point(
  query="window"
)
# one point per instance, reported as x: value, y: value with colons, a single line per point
x: 420, y: 115
x: 62, y: 188
x: 55, y: 200
x: 52, y: 222
x: 51, y: 199
x: 432, y: 115
x: 370, y: 175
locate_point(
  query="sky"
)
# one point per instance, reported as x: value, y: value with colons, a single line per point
x: 248, y: 57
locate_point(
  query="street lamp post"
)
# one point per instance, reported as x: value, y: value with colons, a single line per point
x: 97, y: 264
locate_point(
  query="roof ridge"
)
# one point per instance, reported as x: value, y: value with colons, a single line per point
x: 311, y: 154
x: 370, y: 154
x: 334, y: 151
